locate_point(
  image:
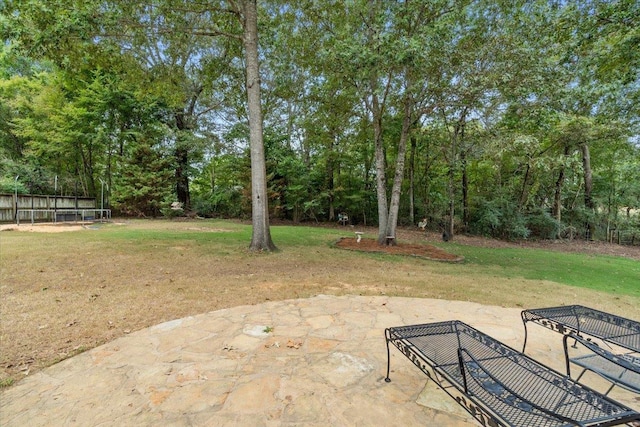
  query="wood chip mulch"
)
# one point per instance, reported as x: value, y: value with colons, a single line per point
x: 400, y: 248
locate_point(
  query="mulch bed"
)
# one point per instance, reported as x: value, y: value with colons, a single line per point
x: 400, y: 248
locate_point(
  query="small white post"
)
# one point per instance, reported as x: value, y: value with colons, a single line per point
x: 55, y: 200
x: 101, y: 200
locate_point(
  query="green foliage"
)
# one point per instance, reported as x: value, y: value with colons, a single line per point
x: 145, y: 181
x: 499, y: 218
x: 221, y: 189
x: 288, y: 176
x: 542, y: 225
x: 9, y: 186
x: 578, y: 218
x: 223, y: 203
x: 129, y: 94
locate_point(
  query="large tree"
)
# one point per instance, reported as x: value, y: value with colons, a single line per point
x: 164, y: 39
x: 261, y: 235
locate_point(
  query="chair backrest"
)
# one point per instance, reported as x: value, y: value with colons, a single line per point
x: 614, y: 329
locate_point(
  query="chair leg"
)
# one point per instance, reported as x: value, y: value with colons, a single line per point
x: 524, y: 345
x: 387, y: 339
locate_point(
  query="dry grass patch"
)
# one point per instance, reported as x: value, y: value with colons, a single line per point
x: 64, y: 293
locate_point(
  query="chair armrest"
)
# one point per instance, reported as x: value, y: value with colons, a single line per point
x: 472, y: 370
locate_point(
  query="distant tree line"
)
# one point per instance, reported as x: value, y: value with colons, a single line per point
x: 507, y: 119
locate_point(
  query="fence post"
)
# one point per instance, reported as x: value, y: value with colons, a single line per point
x: 55, y: 201
x: 16, y: 196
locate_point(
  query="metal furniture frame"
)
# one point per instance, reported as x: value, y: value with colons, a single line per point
x: 621, y: 370
x: 616, y: 359
x: 500, y: 386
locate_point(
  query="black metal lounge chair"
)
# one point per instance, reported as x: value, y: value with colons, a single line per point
x: 585, y: 321
x: 500, y: 386
x: 621, y: 369
x: 587, y: 326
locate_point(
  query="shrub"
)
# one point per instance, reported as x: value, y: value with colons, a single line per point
x: 225, y: 202
x: 8, y: 186
x: 541, y: 224
x: 499, y: 218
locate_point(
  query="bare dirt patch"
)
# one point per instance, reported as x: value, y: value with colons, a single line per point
x: 44, y: 228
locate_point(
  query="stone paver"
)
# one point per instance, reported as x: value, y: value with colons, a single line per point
x: 308, y: 362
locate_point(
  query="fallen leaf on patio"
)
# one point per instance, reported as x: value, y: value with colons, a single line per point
x: 294, y: 344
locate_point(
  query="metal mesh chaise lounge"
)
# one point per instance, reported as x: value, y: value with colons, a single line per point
x: 500, y: 386
x: 616, y: 359
x: 620, y: 369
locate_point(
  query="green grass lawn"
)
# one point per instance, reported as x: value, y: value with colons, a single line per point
x: 598, y: 272
x: 615, y: 275
x: 224, y: 238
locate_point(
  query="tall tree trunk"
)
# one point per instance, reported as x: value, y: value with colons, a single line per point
x: 381, y: 181
x: 376, y: 108
x: 428, y: 162
x: 181, y: 155
x: 261, y: 233
x: 588, y: 186
x: 330, y: 178
x: 331, y: 170
x: 557, y: 198
x: 524, y: 195
x: 448, y: 231
x: 465, y: 191
x: 457, y: 137
x: 392, y: 219
x: 449, y: 223
x: 105, y: 201
x: 184, y: 123
x: 465, y: 177
x: 412, y: 170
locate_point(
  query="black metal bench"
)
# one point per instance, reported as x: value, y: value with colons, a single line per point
x: 617, y: 359
x: 500, y: 386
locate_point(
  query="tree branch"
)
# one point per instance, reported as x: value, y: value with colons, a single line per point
x: 216, y: 33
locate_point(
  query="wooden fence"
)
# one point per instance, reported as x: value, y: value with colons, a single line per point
x: 624, y: 237
x: 39, y: 208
